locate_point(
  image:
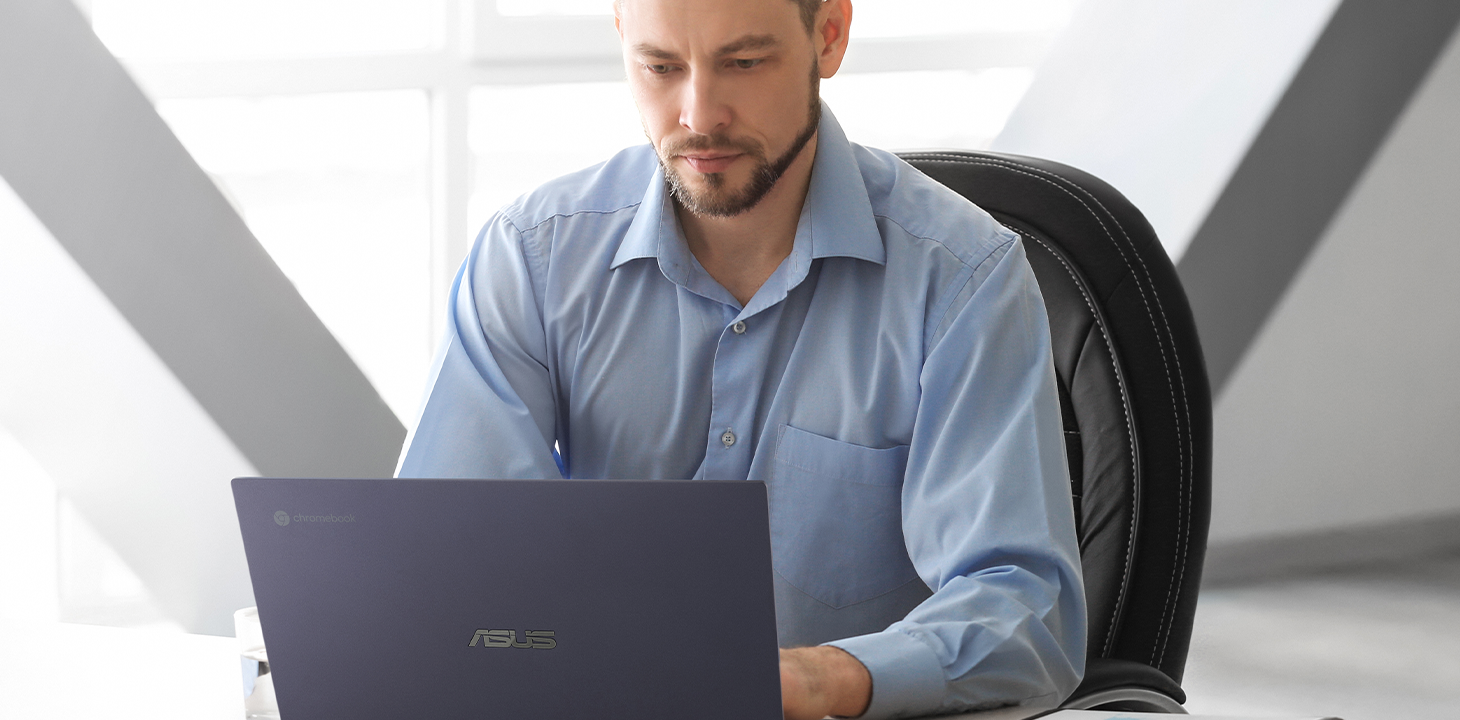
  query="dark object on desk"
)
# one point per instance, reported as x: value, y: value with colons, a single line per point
x: 562, y: 599
x: 1136, y: 407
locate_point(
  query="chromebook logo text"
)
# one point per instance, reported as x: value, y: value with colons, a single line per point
x: 283, y: 518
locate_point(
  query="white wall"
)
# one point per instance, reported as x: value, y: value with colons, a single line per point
x: 115, y: 430
x: 1346, y: 410
x: 30, y: 590
x: 1162, y: 98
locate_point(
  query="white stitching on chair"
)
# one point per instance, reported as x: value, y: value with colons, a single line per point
x: 1184, y: 493
x: 1129, y: 428
x: 1187, y: 475
x: 1130, y: 542
x: 1185, y: 472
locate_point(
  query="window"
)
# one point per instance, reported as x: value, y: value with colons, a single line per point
x: 364, y: 144
x: 336, y: 186
x: 212, y: 30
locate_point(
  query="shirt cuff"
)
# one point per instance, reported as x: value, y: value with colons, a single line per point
x: 907, y: 678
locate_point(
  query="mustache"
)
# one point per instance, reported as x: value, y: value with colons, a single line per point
x: 716, y: 143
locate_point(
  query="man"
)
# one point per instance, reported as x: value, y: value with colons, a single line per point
x: 753, y: 297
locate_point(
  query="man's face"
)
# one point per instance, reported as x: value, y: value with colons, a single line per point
x: 727, y: 91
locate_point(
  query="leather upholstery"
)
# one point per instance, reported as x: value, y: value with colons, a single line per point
x: 1133, y: 392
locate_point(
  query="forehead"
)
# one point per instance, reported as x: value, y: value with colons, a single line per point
x: 701, y: 25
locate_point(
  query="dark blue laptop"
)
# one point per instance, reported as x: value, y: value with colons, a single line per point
x: 514, y: 599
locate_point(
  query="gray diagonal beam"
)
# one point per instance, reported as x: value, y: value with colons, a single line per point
x: 84, y: 148
x: 1358, y: 78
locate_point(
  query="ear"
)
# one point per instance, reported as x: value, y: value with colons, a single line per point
x: 618, y: 23
x: 833, y: 21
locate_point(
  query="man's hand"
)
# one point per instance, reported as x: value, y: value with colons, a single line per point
x: 821, y: 681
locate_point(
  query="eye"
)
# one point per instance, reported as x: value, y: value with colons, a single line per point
x: 658, y: 69
x: 747, y: 63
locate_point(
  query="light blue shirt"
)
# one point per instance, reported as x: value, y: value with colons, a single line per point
x: 891, y: 383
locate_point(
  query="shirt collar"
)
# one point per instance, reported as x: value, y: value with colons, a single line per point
x: 642, y: 239
x: 842, y: 224
x: 836, y: 220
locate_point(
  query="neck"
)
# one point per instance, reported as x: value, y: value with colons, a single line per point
x: 742, y: 251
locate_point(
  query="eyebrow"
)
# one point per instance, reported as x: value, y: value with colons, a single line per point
x: 652, y: 51
x: 748, y: 42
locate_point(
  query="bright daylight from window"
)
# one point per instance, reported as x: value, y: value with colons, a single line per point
x: 365, y: 142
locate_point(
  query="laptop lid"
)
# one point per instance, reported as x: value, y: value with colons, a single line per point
x: 514, y: 599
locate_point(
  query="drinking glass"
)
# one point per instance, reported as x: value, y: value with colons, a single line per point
x: 258, y: 682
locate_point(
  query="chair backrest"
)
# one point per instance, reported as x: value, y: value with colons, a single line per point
x: 1133, y: 391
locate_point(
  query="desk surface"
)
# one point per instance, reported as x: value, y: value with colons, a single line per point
x: 62, y: 671
x: 66, y: 671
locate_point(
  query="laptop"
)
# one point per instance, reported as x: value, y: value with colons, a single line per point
x: 514, y: 599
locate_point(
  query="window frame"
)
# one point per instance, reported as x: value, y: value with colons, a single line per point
x: 479, y: 46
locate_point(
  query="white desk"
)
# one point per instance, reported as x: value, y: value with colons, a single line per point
x: 1109, y: 715
x: 59, y: 671
x: 1021, y: 713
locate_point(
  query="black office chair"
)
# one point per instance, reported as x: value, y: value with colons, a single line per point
x: 1137, y: 413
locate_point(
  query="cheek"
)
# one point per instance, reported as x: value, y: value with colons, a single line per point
x: 785, y: 106
x: 657, y: 109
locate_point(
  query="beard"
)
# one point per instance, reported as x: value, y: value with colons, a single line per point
x: 718, y: 201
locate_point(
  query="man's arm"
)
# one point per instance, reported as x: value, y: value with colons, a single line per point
x: 489, y: 409
x: 987, y: 516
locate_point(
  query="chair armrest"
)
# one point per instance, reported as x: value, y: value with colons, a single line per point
x: 1126, y: 685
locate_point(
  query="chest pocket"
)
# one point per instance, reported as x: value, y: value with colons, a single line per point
x: 836, y: 517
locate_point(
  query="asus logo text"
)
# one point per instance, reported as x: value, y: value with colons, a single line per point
x: 536, y: 639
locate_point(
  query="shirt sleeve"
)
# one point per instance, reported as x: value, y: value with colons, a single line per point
x: 488, y: 410
x: 987, y: 517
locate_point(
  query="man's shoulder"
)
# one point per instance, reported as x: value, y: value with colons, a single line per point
x: 927, y: 211
x: 608, y: 187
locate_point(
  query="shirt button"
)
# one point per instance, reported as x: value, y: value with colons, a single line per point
x: 738, y: 327
x: 728, y: 438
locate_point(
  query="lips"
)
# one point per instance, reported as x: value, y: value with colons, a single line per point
x: 711, y: 162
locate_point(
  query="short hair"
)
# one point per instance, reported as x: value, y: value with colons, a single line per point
x: 808, y: 11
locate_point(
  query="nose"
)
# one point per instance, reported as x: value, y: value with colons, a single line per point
x: 704, y: 111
